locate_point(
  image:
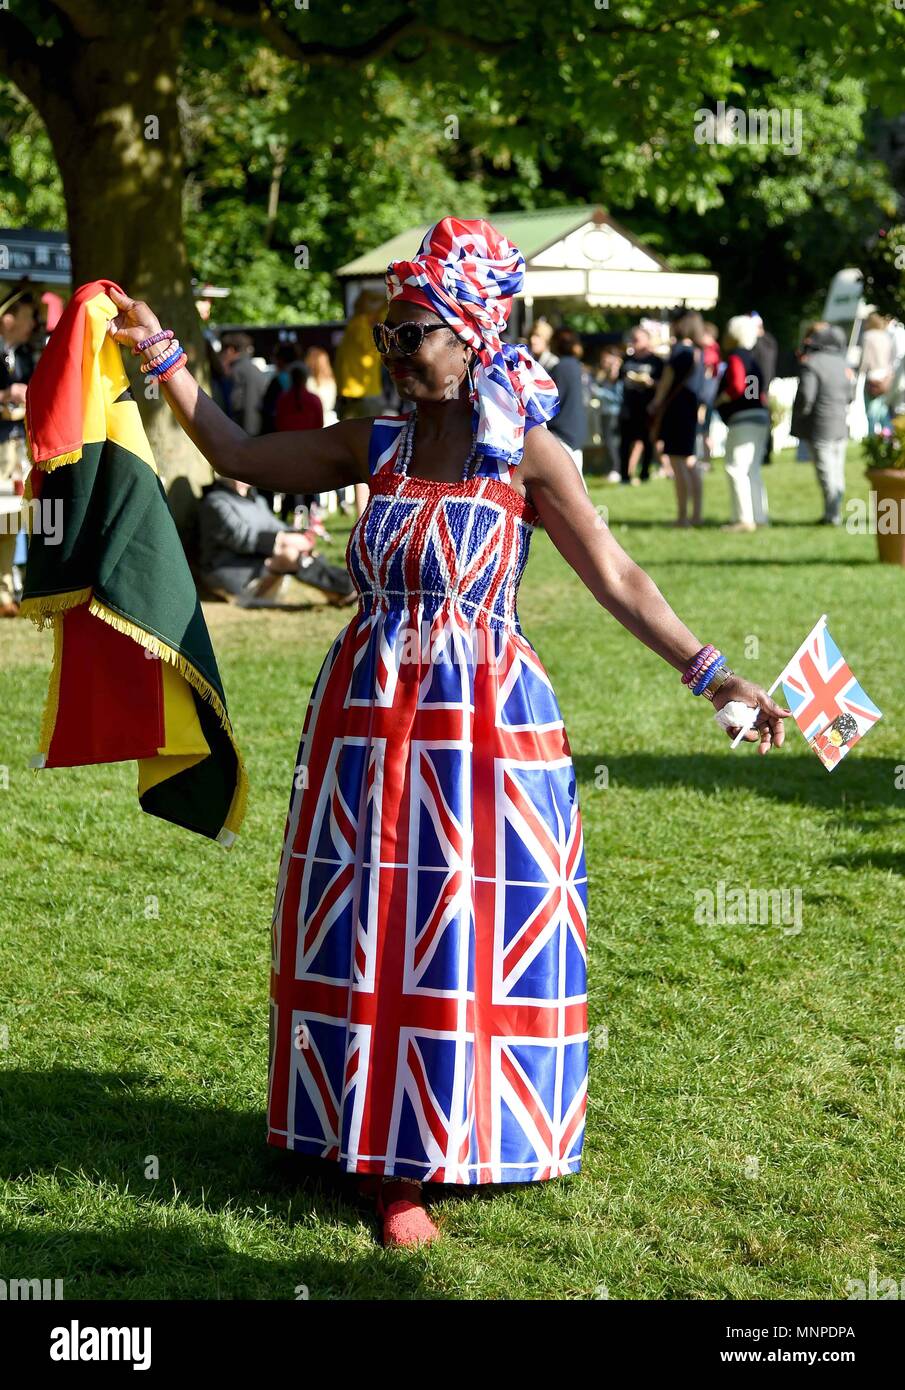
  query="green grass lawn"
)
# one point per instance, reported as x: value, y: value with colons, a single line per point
x: 746, y: 1101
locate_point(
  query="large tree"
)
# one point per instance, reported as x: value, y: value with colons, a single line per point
x: 106, y: 82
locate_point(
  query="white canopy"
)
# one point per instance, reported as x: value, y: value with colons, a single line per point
x: 573, y: 256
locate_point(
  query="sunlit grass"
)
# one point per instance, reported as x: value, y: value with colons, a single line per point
x: 745, y: 1116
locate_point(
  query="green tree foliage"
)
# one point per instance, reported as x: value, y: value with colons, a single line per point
x: 31, y: 192
x: 281, y: 190
x: 884, y: 270
x: 781, y: 225
x: 309, y: 135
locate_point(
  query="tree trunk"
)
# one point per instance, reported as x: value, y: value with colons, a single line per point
x: 118, y: 144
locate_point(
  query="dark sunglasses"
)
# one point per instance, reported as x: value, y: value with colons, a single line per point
x: 405, y: 337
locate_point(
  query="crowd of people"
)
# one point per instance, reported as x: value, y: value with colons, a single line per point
x: 19, y: 316
x: 649, y: 404
x: 651, y: 400
x: 646, y: 401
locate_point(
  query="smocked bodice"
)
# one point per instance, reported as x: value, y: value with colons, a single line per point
x: 424, y: 546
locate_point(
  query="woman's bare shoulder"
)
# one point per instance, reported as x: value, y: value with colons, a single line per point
x: 354, y: 436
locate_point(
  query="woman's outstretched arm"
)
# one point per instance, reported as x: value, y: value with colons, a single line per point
x: 616, y: 581
x: 293, y: 461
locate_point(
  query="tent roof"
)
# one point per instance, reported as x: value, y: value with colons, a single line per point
x: 531, y: 232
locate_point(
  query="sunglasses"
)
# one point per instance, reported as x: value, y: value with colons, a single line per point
x: 405, y: 337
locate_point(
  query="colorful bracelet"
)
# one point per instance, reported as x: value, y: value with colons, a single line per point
x: 149, y: 342
x: 695, y: 663
x: 164, y: 350
x: 711, y: 661
x: 159, y: 376
x: 692, y: 670
x: 181, y: 360
x: 155, y: 362
x: 707, y: 676
x: 160, y: 364
x: 702, y: 671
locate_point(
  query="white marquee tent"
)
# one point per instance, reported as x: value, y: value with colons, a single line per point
x: 575, y: 258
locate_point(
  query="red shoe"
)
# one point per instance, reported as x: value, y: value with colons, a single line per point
x: 404, y: 1222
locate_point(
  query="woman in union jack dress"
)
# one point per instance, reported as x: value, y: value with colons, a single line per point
x: 428, y: 987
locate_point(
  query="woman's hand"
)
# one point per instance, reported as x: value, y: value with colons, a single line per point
x: 134, y: 322
x: 768, y: 726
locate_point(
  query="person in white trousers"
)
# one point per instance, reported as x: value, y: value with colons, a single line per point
x: 742, y: 403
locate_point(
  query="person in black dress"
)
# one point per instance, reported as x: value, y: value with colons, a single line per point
x: 674, y: 413
x: 639, y: 374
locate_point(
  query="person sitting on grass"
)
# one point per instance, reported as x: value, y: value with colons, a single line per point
x: 246, y: 551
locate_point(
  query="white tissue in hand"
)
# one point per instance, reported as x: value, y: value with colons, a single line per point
x: 735, y: 714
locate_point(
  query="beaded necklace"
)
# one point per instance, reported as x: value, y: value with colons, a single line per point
x: 407, y: 449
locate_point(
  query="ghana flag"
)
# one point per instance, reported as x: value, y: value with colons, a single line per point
x: 134, y: 674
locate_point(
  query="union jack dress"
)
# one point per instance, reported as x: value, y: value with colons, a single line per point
x: 429, y: 971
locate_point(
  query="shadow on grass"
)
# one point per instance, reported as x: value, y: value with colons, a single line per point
x: 862, y: 784
x: 666, y: 523
x: 763, y: 560
x: 102, y: 1127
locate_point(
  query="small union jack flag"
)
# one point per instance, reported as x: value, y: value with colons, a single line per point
x: 831, y: 709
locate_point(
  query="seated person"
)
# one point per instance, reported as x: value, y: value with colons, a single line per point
x: 246, y: 550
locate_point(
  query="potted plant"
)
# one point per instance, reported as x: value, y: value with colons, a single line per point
x: 885, y: 453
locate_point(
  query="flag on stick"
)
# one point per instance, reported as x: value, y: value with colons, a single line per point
x: 830, y: 707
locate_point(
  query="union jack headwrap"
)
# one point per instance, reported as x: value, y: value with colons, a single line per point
x: 467, y: 272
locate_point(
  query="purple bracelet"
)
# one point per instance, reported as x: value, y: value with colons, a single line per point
x: 157, y: 338
x: 696, y: 663
x: 166, y: 351
x: 693, y: 669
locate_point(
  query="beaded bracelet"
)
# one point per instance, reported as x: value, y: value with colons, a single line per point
x: 707, y: 676
x: 711, y: 661
x: 149, y: 342
x: 158, y: 366
x: 163, y: 350
x: 698, y: 682
x: 159, y: 376
x: 704, y: 680
x: 171, y: 371
x: 695, y: 664
x: 167, y: 351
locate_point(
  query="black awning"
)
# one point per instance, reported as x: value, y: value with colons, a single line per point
x: 42, y: 256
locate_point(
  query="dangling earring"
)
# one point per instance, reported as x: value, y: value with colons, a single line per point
x: 468, y: 371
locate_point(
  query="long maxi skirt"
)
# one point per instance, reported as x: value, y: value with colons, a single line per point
x: 429, y: 980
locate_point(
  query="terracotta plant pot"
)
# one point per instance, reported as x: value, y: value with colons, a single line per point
x: 887, y: 512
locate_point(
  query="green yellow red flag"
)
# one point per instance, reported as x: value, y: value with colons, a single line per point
x: 134, y: 674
